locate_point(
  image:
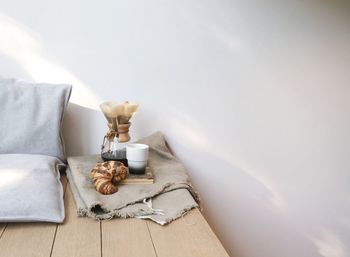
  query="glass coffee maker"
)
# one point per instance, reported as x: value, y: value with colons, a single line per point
x: 118, y: 115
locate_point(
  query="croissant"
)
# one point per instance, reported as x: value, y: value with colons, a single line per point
x: 106, y: 175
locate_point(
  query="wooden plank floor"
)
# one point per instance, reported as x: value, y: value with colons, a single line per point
x: 188, y: 236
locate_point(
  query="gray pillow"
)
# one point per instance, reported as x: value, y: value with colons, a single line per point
x: 31, y: 116
x: 30, y: 188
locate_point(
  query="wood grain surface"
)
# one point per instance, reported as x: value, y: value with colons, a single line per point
x: 84, y: 237
x: 76, y: 237
x: 128, y: 237
x: 187, y: 236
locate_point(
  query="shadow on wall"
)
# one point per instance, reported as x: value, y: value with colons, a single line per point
x: 25, y: 47
x: 82, y: 130
x: 233, y: 193
x: 242, y: 210
x: 245, y: 204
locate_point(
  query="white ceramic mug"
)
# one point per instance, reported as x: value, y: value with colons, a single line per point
x: 137, y: 156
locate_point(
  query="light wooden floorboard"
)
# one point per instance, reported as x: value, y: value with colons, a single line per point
x: 2, y: 228
x: 126, y: 238
x: 77, y: 237
x: 187, y: 236
x: 28, y: 239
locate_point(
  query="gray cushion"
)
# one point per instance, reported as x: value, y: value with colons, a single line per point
x: 31, y: 116
x: 30, y: 188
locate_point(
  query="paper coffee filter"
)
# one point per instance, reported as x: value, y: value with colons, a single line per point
x: 111, y: 109
x: 117, y: 109
x: 130, y: 109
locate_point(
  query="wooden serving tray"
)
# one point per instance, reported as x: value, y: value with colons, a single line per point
x: 146, y: 178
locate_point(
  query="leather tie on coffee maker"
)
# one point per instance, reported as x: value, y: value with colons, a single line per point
x: 122, y: 134
x: 111, y: 133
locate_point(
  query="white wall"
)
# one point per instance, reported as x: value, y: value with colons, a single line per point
x: 253, y: 97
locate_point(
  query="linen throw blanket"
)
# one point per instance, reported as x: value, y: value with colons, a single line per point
x: 168, y: 198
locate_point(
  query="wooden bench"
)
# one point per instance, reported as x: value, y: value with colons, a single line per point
x: 84, y: 237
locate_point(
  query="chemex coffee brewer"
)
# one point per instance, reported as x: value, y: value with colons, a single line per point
x: 118, y: 115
